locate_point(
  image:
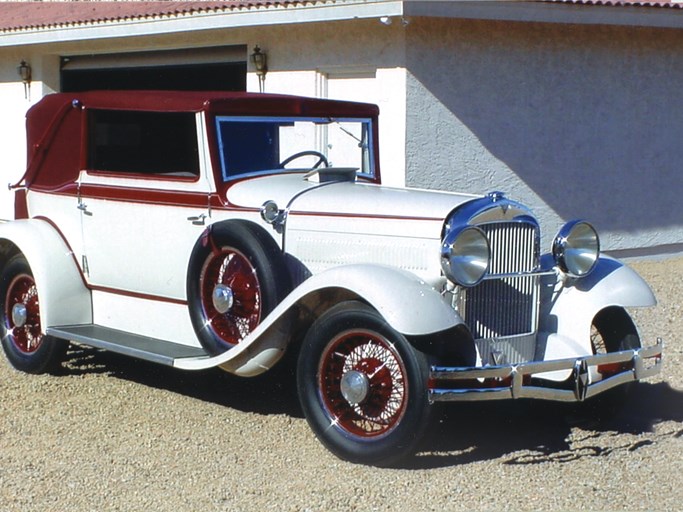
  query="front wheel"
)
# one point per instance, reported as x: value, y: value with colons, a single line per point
x: 24, y: 344
x: 612, y: 331
x: 362, y: 386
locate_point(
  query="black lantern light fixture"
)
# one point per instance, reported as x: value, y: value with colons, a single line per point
x: 24, y: 71
x: 260, y: 61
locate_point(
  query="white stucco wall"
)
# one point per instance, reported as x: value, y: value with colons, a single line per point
x: 13, y: 105
x: 576, y: 121
x: 307, y: 59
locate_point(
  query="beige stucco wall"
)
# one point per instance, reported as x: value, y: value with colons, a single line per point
x: 577, y: 121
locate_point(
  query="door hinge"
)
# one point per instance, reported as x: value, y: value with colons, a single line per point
x: 86, y: 269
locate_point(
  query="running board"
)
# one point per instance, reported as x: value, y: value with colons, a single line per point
x: 121, y: 342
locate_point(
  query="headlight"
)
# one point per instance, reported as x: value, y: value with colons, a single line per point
x: 576, y: 248
x: 465, y: 255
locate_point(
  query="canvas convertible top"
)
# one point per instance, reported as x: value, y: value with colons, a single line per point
x: 54, y: 125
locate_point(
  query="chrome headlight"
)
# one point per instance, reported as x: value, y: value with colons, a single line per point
x: 576, y: 248
x: 465, y: 255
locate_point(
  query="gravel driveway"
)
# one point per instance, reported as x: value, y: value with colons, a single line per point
x: 109, y: 433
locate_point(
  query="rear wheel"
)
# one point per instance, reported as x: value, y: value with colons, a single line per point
x: 23, y: 342
x: 362, y: 386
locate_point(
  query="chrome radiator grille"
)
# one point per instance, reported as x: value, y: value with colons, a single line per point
x: 506, y: 306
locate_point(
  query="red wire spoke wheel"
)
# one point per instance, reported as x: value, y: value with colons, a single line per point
x: 236, y: 276
x: 231, y: 295
x: 363, y: 383
x: 612, y: 330
x: 363, y: 386
x: 23, y: 342
x: 22, y: 315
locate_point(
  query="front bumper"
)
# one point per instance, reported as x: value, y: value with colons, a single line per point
x: 453, y: 384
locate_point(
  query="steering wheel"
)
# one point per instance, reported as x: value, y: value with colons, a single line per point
x: 322, y: 159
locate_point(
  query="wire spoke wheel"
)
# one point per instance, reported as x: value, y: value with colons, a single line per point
x: 372, y: 357
x: 363, y: 386
x: 22, y: 315
x: 24, y: 344
x: 599, y: 345
x: 231, y: 270
x: 236, y: 276
x: 612, y: 330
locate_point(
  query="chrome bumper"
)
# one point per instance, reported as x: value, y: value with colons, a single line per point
x: 512, y: 381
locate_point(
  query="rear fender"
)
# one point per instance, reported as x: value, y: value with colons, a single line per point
x: 64, y: 298
x: 407, y: 303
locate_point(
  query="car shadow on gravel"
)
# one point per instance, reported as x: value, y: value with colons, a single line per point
x: 272, y: 393
x: 533, y: 432
x: 515, y: 432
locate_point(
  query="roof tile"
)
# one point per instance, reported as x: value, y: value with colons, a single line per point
x: 35, y: 15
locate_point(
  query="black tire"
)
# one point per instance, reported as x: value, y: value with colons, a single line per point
x: 26, y: 347
x: 612, y: 331
x: 390, y: 411
x: 239, y: 259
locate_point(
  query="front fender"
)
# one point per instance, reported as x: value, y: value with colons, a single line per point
x: 575, y: 302
x: 64, y: 298
x: 407, y: 303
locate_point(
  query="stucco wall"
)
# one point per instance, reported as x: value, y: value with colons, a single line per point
x: 577, y: 121
x: 302, y: 58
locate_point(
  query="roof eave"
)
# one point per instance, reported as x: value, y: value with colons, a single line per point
x: 204, y: 20
x: 548, y: 12
x: 278, y: 14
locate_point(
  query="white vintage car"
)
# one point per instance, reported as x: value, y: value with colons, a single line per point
x: 203, y: 230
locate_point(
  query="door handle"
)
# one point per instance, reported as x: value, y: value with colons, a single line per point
x: 84, y: 208
x: 198, y: 220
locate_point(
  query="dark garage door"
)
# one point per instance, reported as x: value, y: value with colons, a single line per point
x: 220, y: 69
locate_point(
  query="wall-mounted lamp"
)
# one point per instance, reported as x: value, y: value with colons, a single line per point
x: 24, y: 71
x: 260, y: 61
x: 386, y: 20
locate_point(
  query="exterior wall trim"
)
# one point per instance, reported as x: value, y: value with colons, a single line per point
x: 549, y: 12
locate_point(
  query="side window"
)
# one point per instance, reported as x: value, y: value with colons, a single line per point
x: 147, y: 143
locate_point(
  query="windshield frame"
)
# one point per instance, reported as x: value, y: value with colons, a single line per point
x: 225, y: 177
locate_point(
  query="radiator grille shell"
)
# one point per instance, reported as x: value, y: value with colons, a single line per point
x: 505, y: 304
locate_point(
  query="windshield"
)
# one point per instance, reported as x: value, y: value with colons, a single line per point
x: 256, y: 145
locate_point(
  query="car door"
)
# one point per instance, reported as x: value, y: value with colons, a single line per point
x: 144, y: 201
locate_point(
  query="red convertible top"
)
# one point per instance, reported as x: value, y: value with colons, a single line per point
x: 242, y: 103
x: 54, y: 125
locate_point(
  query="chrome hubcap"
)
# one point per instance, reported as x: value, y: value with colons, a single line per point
x: 222, y: 298
x: 19, y: 314
x: 354, y: 387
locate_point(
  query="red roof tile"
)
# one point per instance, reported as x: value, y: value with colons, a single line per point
x: 16, y: 16
x: 32, y: 15
x: 671, y: 4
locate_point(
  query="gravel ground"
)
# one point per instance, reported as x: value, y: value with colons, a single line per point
x: 109, y: 433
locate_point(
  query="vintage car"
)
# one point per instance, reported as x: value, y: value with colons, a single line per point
x: 202, y: 229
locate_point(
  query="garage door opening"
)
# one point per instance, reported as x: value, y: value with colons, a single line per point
x: 209, y: 69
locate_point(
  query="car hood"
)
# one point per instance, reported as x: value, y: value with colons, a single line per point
x: 300, y: 196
